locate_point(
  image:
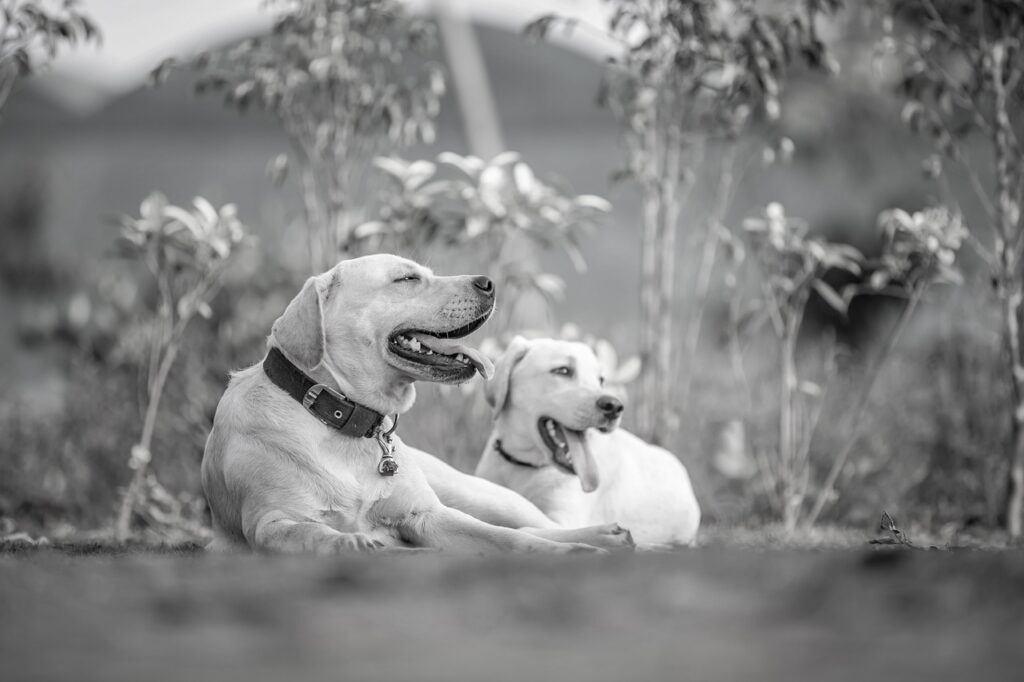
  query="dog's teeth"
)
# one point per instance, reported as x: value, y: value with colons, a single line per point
x: 414, y: 344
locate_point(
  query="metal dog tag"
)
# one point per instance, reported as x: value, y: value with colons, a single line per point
x: 387, y: 466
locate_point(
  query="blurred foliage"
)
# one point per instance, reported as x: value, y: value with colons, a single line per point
x: 919, y: 251
x: 23, y: 264
x: 687, y: 75
x: 789, y: 267
x: 487, y: 212
x: 33, y: 31
x: 348, y: 79
x: 345, y: 78
x: 962, y: 79
x: 186, y: 252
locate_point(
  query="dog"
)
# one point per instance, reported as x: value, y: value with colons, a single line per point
x: 555, y: 441
x: 302, y: 456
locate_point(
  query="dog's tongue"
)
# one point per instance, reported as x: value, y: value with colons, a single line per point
x: 583, y: 459
x: 453, y: 347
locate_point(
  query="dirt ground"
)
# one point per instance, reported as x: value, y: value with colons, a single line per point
x: 713, y: 613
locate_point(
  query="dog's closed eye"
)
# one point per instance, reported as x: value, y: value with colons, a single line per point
x: 408, y: 278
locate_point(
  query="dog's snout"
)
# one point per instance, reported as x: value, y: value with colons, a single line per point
x: 484, y: 284
x: 610, y: 406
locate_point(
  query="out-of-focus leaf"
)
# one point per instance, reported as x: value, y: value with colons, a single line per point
x: 277, y: 169
x: 830, y: 296
x: 550, y: 285
x: 417, y: 173
x: 370, y: 228
x: 206, y: 210
x: 476, y: 225
x: 505, y: 159
x: 472, y: 166
x: 182, y: 216
x: 594, y: 202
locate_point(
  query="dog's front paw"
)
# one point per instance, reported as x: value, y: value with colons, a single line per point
x: 611, y: 536
x: 345, y: 543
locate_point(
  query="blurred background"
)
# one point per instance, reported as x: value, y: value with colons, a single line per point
x: 816, y: 332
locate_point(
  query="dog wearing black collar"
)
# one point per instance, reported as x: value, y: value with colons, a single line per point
x: 556, y: 441
x: 304, y: 457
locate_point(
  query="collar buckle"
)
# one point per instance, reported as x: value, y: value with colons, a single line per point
x: 313, y: 393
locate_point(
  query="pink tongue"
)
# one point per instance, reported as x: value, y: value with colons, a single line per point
x: 453, y: 347
x: 583, y: 459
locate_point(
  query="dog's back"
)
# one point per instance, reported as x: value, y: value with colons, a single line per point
x: 652, y: 492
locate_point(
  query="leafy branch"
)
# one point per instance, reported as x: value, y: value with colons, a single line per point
x: 482, y: 207
x: 345, y: 78
x: 186, y: 251
x: 34, y: 29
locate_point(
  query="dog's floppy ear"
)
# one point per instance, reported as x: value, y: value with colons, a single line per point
x: 496, y: 390
x: 299, y: 332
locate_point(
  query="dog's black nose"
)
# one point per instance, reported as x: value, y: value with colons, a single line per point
x: 611, y: 407
x: 484, y: 284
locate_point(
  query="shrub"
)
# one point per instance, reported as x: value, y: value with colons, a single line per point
x: 187, y: 253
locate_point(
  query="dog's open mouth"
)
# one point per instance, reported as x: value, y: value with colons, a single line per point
x: 439, y: 355
x: 570, y: 451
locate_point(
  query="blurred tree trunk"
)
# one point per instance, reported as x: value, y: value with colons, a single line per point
x: 664, y: 367
x: 661, y: 184
x: 649, y: 310
x: 480, y: 119
x: 1015, y: 482
x: 1008, y: 216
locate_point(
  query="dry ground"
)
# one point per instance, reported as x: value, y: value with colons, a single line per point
x: 714, y: 613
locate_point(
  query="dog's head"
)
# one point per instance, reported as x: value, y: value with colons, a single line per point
x: 379, y: 323
x: 550, y: 394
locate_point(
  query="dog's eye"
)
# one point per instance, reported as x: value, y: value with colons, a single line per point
x: 562, y: 371
x: 408, y: 278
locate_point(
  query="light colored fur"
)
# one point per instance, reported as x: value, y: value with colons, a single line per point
x: 278, y: 479
x: 641, y: 486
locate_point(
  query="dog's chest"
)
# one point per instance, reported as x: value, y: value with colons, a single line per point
x: 351, y: 466
x: 358, y: 489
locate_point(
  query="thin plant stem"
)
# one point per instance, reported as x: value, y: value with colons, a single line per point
x: 132, y: 494
x: 860, y: 408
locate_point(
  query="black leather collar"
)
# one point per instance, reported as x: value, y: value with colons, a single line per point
x: 509, y: 458
x: 518, y: 462
x: 324, y: 403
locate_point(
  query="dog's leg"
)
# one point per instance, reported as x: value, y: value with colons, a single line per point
x: 478, y: 497
x: 608, y: 536
x: 276, y: 532
x: 499, y: 506
x: 451, y: 529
